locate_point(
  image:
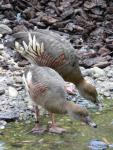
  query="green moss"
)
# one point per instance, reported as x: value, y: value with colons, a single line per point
x: 16, y: 136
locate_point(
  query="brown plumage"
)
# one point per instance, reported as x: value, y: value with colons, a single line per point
x: 46, y: 48
x: 48, y: 89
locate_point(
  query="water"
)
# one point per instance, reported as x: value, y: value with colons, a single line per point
x: 2, y: 145
x: 16, y: 137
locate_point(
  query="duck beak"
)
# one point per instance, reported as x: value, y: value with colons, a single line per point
x: 89, y: 122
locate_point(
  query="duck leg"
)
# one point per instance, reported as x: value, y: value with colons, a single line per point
x: 54, y: 128
x: 37, y: 128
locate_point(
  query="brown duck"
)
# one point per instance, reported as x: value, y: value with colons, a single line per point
x: 46, y: 48
x: 48, y: 89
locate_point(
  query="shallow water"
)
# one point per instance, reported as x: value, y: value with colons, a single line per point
x: 16, y: 136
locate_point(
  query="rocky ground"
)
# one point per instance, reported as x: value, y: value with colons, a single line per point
x: 88, y: 25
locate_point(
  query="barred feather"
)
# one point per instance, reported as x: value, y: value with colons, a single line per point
x: 47, y: 60
x: 37, y: 89
x: 35, y: 51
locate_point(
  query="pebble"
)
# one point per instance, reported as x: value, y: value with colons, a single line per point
x: 4, y: 29
x: 97, y: 72
x: 2, y: 91
x: 41, y: 141
x: 1, y: 46
x: 18, y: 79
x: 9, y: 115
x: 1, y: 35
x: 12, y: 91
x: 2, y: 124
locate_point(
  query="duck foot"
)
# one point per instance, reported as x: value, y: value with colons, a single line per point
x: 55, y: 129
x: 38, y: 130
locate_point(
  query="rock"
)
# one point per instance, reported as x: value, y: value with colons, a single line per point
x: 6, y: 6
x: 19, y: 28
x: 2, y: 91
x: 87, y: 72
x: 108, y: 85
x: 102, y: 51
x: 12, y: 91
x: 4, y: 64
x: 2, y: 124
x: 97, y: 72
x: 18, y: 79
x: 67, y: 13
x: 5, y: 21
x: 1, y: 46
x: 48, y: 19
x: 23, y: 63
x: 110, y: 73
x: 4, y: 29
x: 1, y: 35
x: 9, y: 116
x: 102, y: 64
x: 106, y: 94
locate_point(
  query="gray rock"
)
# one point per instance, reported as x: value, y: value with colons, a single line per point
x: 97, y: 72
x: 9, y: 116
x: 4, y: 29
x: 87, y: 72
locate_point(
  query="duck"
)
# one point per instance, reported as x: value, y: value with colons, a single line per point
x: 47, y: 48
x: 48, y: 89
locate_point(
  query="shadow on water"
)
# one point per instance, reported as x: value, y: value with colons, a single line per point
x: 16, y: 137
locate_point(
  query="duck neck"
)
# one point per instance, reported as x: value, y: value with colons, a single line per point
x: 81, y: 87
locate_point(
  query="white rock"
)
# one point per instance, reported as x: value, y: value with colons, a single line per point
x: 1, y: 35
x: 1, y: 46
x: 107, y: 94
x: 97, y: 72
x: 110, y: 73
x: 108, y: 85
x: 2, y: 124
x: 12, y: 91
